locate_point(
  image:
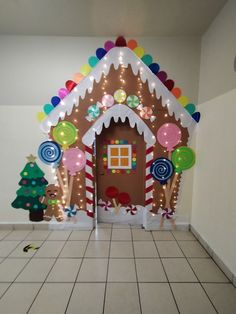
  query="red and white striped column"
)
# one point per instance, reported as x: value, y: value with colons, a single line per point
x: 89, y: 181
x: 148, y: 178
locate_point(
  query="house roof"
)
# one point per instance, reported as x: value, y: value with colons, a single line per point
x: 119, y: 56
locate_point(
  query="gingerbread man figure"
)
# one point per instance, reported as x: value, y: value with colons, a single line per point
x: 53, y: 201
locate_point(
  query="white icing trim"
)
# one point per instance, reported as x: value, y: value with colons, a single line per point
x: 119, y: 56
x: 118, y: 112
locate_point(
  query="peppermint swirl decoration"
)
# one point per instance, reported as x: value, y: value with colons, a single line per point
x: 162, y: 169
x: 50, y: 153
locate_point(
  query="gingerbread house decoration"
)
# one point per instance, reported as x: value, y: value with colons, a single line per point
x: 117, y: 107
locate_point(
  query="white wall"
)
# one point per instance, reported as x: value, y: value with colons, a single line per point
x: 213, y: 213
x: 34, y: 68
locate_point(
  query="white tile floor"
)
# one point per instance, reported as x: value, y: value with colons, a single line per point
x: 113, y: 269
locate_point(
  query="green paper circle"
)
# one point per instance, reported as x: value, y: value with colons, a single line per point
x: 65, y: 134
x: 93, y: 61
x: 133, y: 101
x: 147, y: 59
x: 183, y: 158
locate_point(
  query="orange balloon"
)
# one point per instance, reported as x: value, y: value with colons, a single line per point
x: 176, y: 91
x: 132, y: 44
x: 78, y: 77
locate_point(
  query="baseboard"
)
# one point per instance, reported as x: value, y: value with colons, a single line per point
x: 214, y: 256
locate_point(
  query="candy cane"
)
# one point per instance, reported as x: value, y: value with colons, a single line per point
x: 89, y: 179
x: 148, y: 178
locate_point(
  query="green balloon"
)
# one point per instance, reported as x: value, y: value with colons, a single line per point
x: 147, y: 59
x: 65, y: 134
x: 183, y: 158
x: 93, y: 61
x: 190, y: 108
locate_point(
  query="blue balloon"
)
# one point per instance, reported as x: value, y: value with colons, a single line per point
x: 55, y: 100
x: 50, y: 153
x: 100, y: 53
x: 162, y: 169
x: 154, y: 67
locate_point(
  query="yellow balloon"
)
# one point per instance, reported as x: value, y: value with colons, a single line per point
x: 40, y: 116
x: 139, y: 51
x: 183, y: 100
x: 85, y: 69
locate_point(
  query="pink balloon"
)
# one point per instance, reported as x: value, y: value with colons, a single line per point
x: 169, y: 135
x: 74, y: 160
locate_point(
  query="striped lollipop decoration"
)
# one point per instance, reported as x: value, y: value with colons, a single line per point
x: 133, y: 101
x: 50, y: 153
x: 162, y: 169
x: 93, y: 111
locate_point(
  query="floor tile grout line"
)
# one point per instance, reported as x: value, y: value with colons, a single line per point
x: 198, y: 278
x: 136, y: 273
x: 56, y: 258
x: 24, y: 265
x: 108, y: 263
x: 76, y: 277
x: 177, y: 307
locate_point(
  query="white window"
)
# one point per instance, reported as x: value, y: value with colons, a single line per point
x: 119, y: 156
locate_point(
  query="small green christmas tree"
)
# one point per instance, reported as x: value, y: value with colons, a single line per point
x: 32, y: 188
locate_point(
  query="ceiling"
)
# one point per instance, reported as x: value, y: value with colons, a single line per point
x: 107, y: 17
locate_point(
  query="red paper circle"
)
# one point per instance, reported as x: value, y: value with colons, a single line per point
x: 124, y: 198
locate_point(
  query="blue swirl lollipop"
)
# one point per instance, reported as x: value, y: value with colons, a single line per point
x: 162, y: 169
x: 50, y: 153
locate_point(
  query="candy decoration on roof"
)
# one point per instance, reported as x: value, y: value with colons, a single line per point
x: 120, y: 95
x: 41, y: 116
x: 139, y: 51
x: 92, y: 61
x: 85, y: 69
x: 70, y: 85
x: 109, y: 45
x: 100, y: 53
x: 190, y: 108
x: 176, y: 91
x: 196, y: 116
x: 183, y: 100
x: 107, y: 101
x: 55, y: 100
x: 132, y: 44
x: 78, y: 77
x: 169, y: 84
x: 154, y: 67
x: 132, y: 101
x: 162, y: 76
x: 63, y: 92
x: 147, y: 59
x: 48, y: 108
x: 120, y: 42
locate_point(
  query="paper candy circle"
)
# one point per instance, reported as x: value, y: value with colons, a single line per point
x: 93, y: 111
x: 169, y: 135
x: 65, y: 134
x: 107, y: 100
x: 120, y: 95
x: 74, y: 160
x: 132, y: 101
x: 49, y: 152
x: 183, y: 158
x: 146, y: 113
x: 161, y: 169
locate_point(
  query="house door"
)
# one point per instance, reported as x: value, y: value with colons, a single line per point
x: 120, y: 169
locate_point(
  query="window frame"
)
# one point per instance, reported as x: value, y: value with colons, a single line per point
x: 109, y: 146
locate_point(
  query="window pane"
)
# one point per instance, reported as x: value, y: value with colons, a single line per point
x: 124, y: 162
x: 114, y: 151
x: 124, y: 151
x: 114, y: 162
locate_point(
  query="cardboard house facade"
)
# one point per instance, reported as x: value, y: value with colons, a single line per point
x: 117, y: 110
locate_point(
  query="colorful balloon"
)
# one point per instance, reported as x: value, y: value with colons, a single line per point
x: 147, y: 59
x: 107, y: 100
x: 132, y: 44
x: 183, y: 158
x: 93, y: 111
x: 70, y: 85
x: 93, y: 61
x: 154, y: 67
x: 132, y: 101
x: 74, y: 160
x: 65, y: 134
x: 85, y: 69
x: 50, y: 153
x: 100, y: 53
x: 120, y: 95
x: 176, y: 91
x: 162, y: 75
x: 162, y: 169
x: 190, y: 108
x: 183, y: 100
x: 169, y: 135
x: 78, y: 77
x: 109, y: 45
x: 139, y: 51
x: 196, y: 116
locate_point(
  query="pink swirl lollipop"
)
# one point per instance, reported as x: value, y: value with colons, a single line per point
x: 169, y: 135
x: 74, y: 160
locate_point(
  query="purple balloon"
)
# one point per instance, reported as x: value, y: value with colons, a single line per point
x: 109, y: 45
x: 63, y: 92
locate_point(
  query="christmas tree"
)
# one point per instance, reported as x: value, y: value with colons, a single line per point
x: 32, y: 188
